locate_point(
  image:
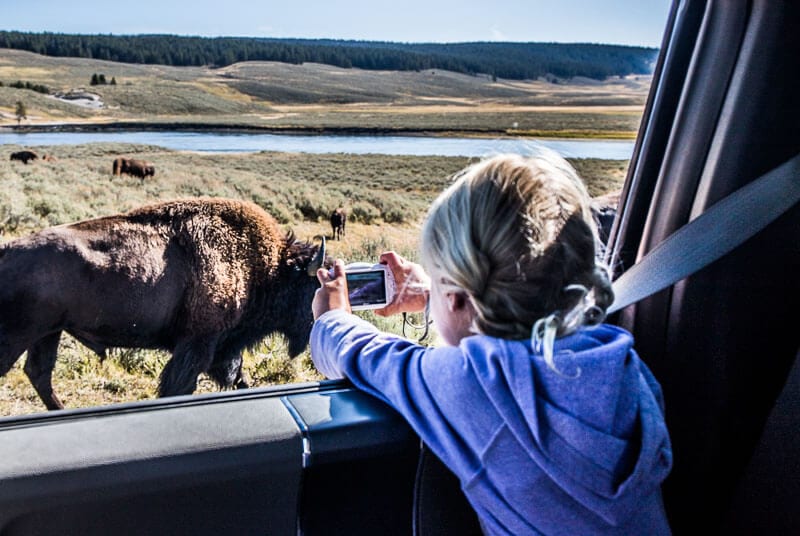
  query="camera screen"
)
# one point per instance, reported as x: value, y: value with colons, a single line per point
x: 367, y: 288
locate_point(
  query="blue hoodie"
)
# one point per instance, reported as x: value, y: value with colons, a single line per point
x: 579, y: 451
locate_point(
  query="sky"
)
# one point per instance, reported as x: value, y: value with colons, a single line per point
x: 624, y: 22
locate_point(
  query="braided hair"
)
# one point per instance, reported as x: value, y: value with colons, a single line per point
x: 517, y: 237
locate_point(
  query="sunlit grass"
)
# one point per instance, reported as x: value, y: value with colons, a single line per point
x: 318, y: 97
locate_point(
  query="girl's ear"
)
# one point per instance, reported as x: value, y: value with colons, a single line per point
x: 456, y: 301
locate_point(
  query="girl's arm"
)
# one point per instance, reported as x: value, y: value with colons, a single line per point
x: 412, y: 379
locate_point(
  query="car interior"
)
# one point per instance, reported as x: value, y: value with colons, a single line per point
x: 721, y: 341
x: 324, y: 458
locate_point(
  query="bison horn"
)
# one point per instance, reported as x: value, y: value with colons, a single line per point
x: 318, y: 260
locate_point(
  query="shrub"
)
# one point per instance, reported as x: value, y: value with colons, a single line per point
x: 39, y: 88
x: 372, y: 248
x: 137, y: 361
x: 365, y: 212
x: 41, y: 208
x: 309, y: 209
x: 278, y: 211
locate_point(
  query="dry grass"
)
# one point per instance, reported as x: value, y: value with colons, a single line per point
x: 312, y: 96
x: 294, y: 187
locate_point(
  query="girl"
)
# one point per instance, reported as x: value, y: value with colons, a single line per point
x: 548, y: 417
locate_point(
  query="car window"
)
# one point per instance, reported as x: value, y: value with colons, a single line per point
x: 300, y: 121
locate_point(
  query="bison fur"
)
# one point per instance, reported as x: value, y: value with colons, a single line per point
x: 202, y: 278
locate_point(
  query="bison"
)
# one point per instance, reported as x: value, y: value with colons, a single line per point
x: 201, y: 278
x: 338, y: 221
x: 604, y: 209
x: 24, y: 156
x: 136, y: 168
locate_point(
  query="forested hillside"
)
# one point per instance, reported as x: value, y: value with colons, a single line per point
x: 516, y: 61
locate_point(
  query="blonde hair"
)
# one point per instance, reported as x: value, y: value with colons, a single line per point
x: 516, y: 235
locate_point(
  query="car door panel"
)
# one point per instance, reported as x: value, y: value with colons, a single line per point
x: 209, y: 464
x: 360, y: 459
x: 206, y: 464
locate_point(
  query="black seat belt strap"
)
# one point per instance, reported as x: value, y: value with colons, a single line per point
x: 717, y: 231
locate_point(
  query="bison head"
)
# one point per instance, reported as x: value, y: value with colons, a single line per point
x: 303, y: 261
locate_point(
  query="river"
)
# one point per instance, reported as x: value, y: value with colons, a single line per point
x: 217, y: 142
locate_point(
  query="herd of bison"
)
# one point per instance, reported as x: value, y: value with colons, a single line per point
x: 143, y: 169
x: 120, y: 166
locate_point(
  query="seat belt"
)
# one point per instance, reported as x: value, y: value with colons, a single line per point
x: 717, y: 231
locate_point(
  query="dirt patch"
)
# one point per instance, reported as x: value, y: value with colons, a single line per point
x: 80, y: 97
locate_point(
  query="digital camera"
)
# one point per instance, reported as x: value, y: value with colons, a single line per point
x: 370, y: 286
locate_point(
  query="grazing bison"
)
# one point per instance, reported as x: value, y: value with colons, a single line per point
x: 24, y: 156
x: 136, y: 168
x: 338, y: 221
x: 203, y: 278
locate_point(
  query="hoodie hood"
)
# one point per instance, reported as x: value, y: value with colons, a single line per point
x: 595, y: 425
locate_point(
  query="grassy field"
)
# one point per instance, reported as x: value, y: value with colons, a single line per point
x: 294, y: 187
x: 318, y: 97
x: 386, y: 196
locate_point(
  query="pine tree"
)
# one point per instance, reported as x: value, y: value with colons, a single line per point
x: 95, y: 80
x: 21, y: 112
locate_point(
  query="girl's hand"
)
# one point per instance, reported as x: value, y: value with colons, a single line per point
x: 333, y: 292
x: 412, y: 283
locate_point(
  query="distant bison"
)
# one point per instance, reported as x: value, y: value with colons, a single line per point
x: 338, y: 222
x: 24, y: 156
x: 203, y: 278
x: 137, y: 168
x: 604, y: 209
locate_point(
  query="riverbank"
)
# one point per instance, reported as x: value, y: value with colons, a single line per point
x: 239, y: 141
x: 227, y: 126
x: 243, y: 128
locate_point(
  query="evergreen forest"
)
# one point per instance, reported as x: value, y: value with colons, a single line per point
x: 516, y: 61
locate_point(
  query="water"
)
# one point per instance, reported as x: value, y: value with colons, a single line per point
x: 217, y: 142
